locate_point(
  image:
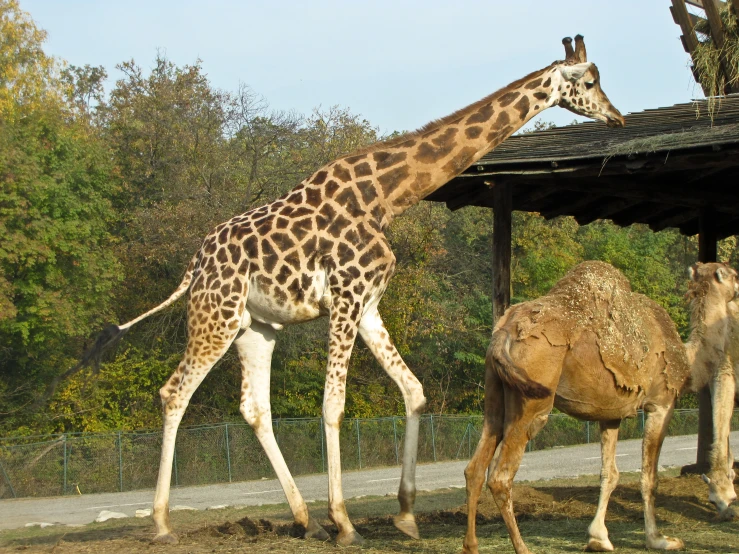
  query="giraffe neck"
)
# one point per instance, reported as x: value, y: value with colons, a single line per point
x: 407, y: 169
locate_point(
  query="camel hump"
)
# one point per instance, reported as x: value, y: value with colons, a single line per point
x: 511, y: 374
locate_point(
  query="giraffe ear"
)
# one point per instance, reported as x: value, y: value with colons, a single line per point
x: 575, y: 72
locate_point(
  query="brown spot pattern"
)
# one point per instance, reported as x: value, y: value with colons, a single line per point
x: 391, y: 180
x: 482, y: 114
x: 342, y: 173
x: 441, y: 147
x: 522, y: 107
x: 362, y: 170
x: 320, y: 177
x: 473, y: 132
x: 384, y: 160
x: 351, y: 160
x: 367, y: 190
x: 460, y: 161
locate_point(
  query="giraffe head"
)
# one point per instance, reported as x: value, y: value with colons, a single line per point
x: 580, y: 90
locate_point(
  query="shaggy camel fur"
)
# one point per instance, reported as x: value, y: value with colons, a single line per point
x: 597, y: 351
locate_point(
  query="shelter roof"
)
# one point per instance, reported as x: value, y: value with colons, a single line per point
x: 664, y: 168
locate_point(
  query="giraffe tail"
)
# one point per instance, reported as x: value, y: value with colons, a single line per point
x: 511, y: 374
x: 112, y: 334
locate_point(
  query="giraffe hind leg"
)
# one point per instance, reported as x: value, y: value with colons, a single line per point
x: 201, y: 354
x: 255, y: 348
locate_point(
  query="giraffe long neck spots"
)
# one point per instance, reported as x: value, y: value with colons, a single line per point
x: 406, y: 170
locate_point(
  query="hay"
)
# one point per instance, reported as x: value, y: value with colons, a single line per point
x: 673, y: 141
x: 707, y: 56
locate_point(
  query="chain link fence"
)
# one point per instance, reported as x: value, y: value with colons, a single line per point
x: 82, y: 463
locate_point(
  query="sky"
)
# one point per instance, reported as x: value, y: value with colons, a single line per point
x: 399, y: 64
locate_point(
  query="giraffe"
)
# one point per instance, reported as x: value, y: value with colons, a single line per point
x: 321, y: 250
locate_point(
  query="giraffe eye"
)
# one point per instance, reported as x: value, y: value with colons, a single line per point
x: 589, y: 84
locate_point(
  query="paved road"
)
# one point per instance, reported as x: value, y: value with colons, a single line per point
x: 545, y: 464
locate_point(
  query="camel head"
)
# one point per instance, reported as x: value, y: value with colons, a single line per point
x: 721, y: 489
x: 716, y: 277
x: 579, y: 90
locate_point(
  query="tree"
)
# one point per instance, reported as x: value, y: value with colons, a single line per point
x: 56, y: 266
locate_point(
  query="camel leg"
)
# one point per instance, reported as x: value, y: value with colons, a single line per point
x: 720, y: 479
x: 655, y: 428
x: 492, y: 433
x: 524, y: 418
x: 374, y: 334
x: 598, y: 540
x: 175, y: 395
x: 255, y: 348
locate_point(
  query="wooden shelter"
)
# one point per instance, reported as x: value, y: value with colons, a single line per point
x: 668, y: 167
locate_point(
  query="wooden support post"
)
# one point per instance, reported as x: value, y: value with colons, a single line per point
x: 502, y: 210
x: 707, y: 252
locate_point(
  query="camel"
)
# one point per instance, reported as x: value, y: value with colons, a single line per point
x: 597, y: 351
x: 711, y: 348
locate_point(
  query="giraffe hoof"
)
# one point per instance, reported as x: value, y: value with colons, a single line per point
x: 407, y: 524
x: 598, y: 545
x: 166, y: 538
x: 315, y: 531
x: 350, y: 539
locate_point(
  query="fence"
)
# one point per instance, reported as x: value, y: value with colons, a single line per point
x: 107, y: 462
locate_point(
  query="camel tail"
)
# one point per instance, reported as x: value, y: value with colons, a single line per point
x: 112, y: 334
x: 511, y: 374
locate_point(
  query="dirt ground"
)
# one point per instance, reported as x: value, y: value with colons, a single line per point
x: 553, y: 516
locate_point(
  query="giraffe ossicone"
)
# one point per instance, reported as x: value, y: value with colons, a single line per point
x: 321, y: 250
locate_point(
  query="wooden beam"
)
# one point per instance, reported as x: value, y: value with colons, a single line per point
x: 468, y: 197
x: 643, y: 213
x: 675, y: 219
x: 690, y: 197
x: 681, y: 16
x: 605, y: 210
x: 585, y: 201
x: 502, y: 217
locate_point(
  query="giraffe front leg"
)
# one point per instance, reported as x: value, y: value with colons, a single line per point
x: 374, y: 334
x: 342, y: 331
